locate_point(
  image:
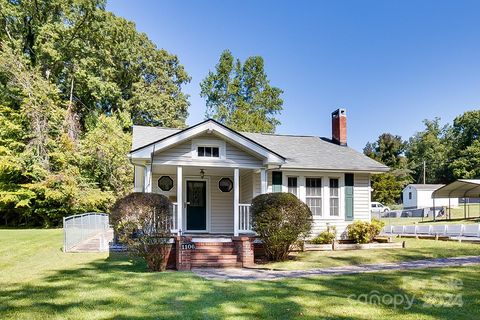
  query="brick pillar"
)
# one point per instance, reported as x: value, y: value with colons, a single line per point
x: 182, y: 257
x: 244, y: 245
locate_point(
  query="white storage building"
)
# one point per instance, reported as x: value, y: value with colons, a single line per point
x: 420, y: 196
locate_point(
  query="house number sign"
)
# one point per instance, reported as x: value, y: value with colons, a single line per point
x: 188, y: 246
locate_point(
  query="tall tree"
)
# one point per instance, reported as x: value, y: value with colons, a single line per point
x: 464, y: 155
x: 100, y: 59
x: 240, y: 96
x: 431, y: 146
x: 73, y: 78
x: 39, y: 177
x: 389, y: 150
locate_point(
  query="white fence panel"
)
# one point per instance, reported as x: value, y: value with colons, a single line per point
x: 454, y: 230
x: 387, y: 229
x: 471, y: 230
x: 397, y: 229
x: 438, y: 230
x: 410, y: 229
x: 423, y: 229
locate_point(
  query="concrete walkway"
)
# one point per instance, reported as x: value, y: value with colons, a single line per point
x: 96, y: 243
x: 264, y: 274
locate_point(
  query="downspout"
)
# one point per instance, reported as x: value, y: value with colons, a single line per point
x: 151, y: 169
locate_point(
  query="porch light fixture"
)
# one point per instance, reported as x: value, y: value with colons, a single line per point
x: 202, y: 173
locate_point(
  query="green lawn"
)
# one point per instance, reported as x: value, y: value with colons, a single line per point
x: 38, y: 281
x: 415, y: 250
x: 457, y: 217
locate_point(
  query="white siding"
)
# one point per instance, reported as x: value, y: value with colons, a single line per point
x: 221, y: 203
x: 183, y: 153
x: 241, y: 157
x: 180, y: 152
x: 221, y: 206
x: 361, y: 197
x: 139, y: 179
x: 256, y: 184
x: 246, y: 184
x: 409, y: 203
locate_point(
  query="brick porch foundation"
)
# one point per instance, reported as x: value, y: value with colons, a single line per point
x: 236, y: 253
x: 244, y: 245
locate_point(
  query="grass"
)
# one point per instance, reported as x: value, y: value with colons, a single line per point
x: 415, y: 250
x: 38, y: 281
x: 457, y: 217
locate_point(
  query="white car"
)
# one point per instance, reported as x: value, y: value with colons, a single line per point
x: 377, y: 207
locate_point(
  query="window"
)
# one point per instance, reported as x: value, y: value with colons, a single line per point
x: 292, y: 186
x: 225, y: 185
x: 334, y: 198
x: 314, y: 195
x: 276, y: 181
x: 208, y: 152
x: 409, y: 196
x: 165, y: 183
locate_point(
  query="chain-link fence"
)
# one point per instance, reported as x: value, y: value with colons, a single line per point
x: 79, y: 229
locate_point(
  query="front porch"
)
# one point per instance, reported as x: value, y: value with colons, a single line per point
x: 207, y: 201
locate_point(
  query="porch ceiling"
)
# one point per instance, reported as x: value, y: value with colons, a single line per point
x: 195, y: 171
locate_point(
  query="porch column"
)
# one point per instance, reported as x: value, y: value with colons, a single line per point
x: 263, y: 181
x: 179, y: 198
x: 147, y: 186
x: 236, y: 199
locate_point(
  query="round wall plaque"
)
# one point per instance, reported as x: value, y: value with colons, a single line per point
x: 225, y: 185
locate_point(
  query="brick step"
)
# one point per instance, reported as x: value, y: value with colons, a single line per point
x: 202, y: 257
x: 215, y: 264
x: 218, y: 251
x: 214, y: 244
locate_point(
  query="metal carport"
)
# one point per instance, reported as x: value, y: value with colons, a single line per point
x: 462, y: 188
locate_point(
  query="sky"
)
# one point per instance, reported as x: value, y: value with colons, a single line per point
x: 390, y: 64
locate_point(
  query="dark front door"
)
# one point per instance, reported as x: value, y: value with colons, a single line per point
x: 196, y: 205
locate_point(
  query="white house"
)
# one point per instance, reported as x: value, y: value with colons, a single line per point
x: 212, y: 173
x: 420, y: 196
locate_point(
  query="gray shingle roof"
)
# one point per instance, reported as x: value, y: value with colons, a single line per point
x: 146, y: 135
x: 301, y: 152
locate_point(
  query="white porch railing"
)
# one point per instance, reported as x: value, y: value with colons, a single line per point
x: 245, y: 219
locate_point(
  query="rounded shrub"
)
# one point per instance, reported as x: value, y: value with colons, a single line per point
x: 280, y: 219
x: 142, y: 222
x: 326, y: 237
x: 363, y: 231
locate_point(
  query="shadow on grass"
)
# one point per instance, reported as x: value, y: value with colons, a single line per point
x: 121, y: 288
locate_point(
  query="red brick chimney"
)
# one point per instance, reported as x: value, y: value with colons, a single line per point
x: 339, y: 127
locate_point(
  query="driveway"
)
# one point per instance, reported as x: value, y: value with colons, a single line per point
x: 246, y: 274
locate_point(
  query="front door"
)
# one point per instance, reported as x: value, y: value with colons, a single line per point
x: 196, y: 205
